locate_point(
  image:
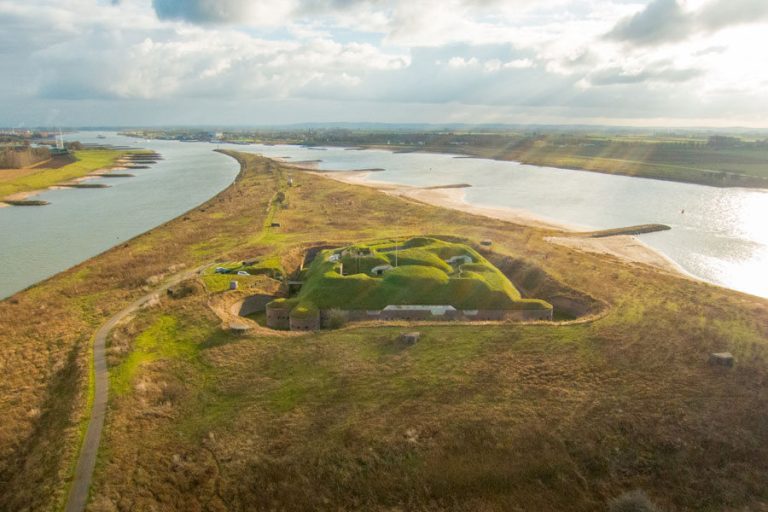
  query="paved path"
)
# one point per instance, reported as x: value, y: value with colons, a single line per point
x: 78, y: 493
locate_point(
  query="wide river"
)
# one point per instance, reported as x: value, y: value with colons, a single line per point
x: 38, y: 242
x: 720, y: 235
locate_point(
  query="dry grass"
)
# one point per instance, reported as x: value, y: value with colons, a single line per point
x: 470, y: 418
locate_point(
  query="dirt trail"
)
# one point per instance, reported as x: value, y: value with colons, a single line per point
x: 78, y: 493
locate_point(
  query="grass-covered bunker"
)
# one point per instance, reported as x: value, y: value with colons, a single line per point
x: 413, y: 279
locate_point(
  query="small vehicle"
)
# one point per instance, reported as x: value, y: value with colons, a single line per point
x: 242, y: 273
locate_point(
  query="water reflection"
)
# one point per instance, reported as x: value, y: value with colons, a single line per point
x: 718, y: 234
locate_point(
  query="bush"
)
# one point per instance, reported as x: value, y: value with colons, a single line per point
x: 633, y: 501
x: 183, y: 289
x: 336, y: 319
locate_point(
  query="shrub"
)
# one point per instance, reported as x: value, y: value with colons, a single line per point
x: 336, y: 319
x: 633, y: 501
x: 183, y: 289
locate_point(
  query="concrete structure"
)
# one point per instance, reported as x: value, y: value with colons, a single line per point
x: 239, y: 329
x: 441, y: 312
x: 419, y: 312
x: 501, y: 315
x: 378, y: 271
x: 437, y: 313
x: 410, y: 338
x: 721, y: 359
x: 278, y: 316
x: 307, y: 322
x: 461, y: 259
x: 281, y: 317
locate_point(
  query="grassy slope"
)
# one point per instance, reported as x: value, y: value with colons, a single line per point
x: 473, y: 418
x: 88, y: 161
x: 422, y: 277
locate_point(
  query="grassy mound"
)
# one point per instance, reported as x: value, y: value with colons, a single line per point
x: 343, y: 278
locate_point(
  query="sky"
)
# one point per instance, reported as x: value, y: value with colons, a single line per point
x: 249, y: 62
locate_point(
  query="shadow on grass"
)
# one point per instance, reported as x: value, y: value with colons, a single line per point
x: 218, y: 339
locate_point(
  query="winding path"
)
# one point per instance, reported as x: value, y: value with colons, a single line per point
x: 78, y: 492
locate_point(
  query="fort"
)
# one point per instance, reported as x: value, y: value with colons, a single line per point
x: 416, y: 279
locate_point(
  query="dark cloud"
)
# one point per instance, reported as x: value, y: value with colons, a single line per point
x: 258, y: 11
x: 201, y: 11
x: 664, y: 21
x: 661, y: 21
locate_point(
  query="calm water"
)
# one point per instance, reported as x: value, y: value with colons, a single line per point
x: 80, y: 223
x: 722, y: 236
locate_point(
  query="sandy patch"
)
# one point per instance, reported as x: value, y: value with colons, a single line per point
x: 626, y: 247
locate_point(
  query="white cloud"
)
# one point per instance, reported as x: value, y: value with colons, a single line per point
x: 550, y: 55
x: 518, y: 64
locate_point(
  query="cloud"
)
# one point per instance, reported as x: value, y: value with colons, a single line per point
x: 665, y: 21
x: 199, y: 63
x: 653, y: 73
x: 719, y: 14
x: 661, y: 21
x: 369, y: 58
x: 224, y: 11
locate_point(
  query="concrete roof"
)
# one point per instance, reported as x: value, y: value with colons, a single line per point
x: 434, y: 309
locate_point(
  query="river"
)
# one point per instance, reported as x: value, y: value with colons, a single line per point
x: 719, y: 235
x: 39, y: 242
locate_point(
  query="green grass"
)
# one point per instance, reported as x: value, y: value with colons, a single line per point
x: 88, y: 160
x: 421, y: 277
x: 161, y: 340
x: 268, y: 266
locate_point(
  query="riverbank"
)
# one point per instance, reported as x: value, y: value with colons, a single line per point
x: 20, y: 186
x: 626, y: 247
x: 600, y: 164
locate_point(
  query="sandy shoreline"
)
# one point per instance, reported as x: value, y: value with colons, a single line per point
x: 22, y: 196
x: 626, y: 247
x: 19, y: 196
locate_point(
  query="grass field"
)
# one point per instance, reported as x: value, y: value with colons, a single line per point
x: 218, y: 282
x: 40, y: 178
x: 481, y: 417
